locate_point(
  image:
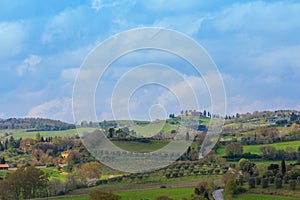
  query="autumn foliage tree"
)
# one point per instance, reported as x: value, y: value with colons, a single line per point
x: 24, y: 183
x: 234, y: 150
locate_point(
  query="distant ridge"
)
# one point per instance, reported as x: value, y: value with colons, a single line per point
x: 35, y: 124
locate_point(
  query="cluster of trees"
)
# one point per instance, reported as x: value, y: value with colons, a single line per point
x: 10, y: 143
x: 30, y: 182
x: 271, y: 153
x: 46, y: 151
x: 234, y: 150
x: 82, y: 176
x: 263, y: 135
x: 24, y: 183
x: 35, y: 124
x: 275, y: 174
x: 120, y: 133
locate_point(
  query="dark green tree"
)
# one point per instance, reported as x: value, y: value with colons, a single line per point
x: 230, y: 188
x: 292, y: 184
x: 283, y: 167
x: 1, y: 146
x: 265, y: 182
x: 278, y: 183
x: 251, y: 182
x: 234, y: 150
x: 2, y: 160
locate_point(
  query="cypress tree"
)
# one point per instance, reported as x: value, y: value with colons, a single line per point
x: 283, y: 167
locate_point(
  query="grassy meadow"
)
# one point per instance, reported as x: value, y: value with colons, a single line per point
x: 255, y: 149
x: 262, y: 197
x: 174, y: 193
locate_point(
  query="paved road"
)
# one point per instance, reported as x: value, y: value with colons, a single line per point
x: 217, y: 194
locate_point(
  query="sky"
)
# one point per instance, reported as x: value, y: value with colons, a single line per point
x: 254, y: 44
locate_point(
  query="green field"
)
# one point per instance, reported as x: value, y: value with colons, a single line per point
x: 254, y: 149
x: 174, y: 193
x: 262, y: 197
x: 134, y: 146
x: 154, y: 128
x: 72, y: 198
x: 54, y: 173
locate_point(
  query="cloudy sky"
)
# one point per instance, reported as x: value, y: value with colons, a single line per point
x: 254, y: 44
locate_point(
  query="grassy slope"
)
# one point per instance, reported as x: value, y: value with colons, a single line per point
x: 255, y: 148
x: 262, y: 197
x: 140, y: 146
x: 174, y: 193
x: 54, y: 173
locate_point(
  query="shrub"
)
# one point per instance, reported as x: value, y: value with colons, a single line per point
x: 241, y: 190
x: 286, y: 179
x: 292, y: 184
x: 251, y: 182
x: 258, y: 180
x: 298, y: 179
x: 204, y: 188
x: 278, y: 182
x: 265, y: 182
x: 241, y: 180
x: 272, y: 179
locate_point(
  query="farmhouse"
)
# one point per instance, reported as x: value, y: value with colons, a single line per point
x: 4, y: 166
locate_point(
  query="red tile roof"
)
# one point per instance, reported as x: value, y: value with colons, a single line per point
x: 4, y: 166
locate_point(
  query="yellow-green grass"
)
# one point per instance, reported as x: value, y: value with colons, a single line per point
x: 4, y: 173
x: 174, y: 193
x: 152, y: 182
x: 55, y: 174
x: 71, y: 198
x: 262, y: 197
x: 255, y: 149
x: 154, y: 128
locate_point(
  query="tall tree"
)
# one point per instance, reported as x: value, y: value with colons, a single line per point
x: 38, y: 137
x: 234, y: 150
x: 283, y: 167
x: 27, y: 182
x: 1, y: 146
x: 2, y: 160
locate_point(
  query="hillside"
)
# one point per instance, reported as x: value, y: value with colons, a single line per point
x: 35, y: 124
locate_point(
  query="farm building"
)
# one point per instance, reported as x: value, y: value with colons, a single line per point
x: 4, y: 166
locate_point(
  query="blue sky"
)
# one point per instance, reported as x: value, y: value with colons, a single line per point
x: 255, y: 45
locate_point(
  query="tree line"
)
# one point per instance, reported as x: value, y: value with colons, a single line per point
x: 36, y: 124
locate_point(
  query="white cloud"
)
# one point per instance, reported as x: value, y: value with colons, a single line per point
x: 53, y: 109
x: 66, y: 25
x: 69, y: 74
x: 29, y: 64
x: 189, y: 24
x: 12, y: 37
x: 97, y: 4
x: 279, y: 60
x: 268, y: 17
x: 2, y: 115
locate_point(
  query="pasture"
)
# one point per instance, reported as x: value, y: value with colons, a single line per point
x: 255, y: 149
